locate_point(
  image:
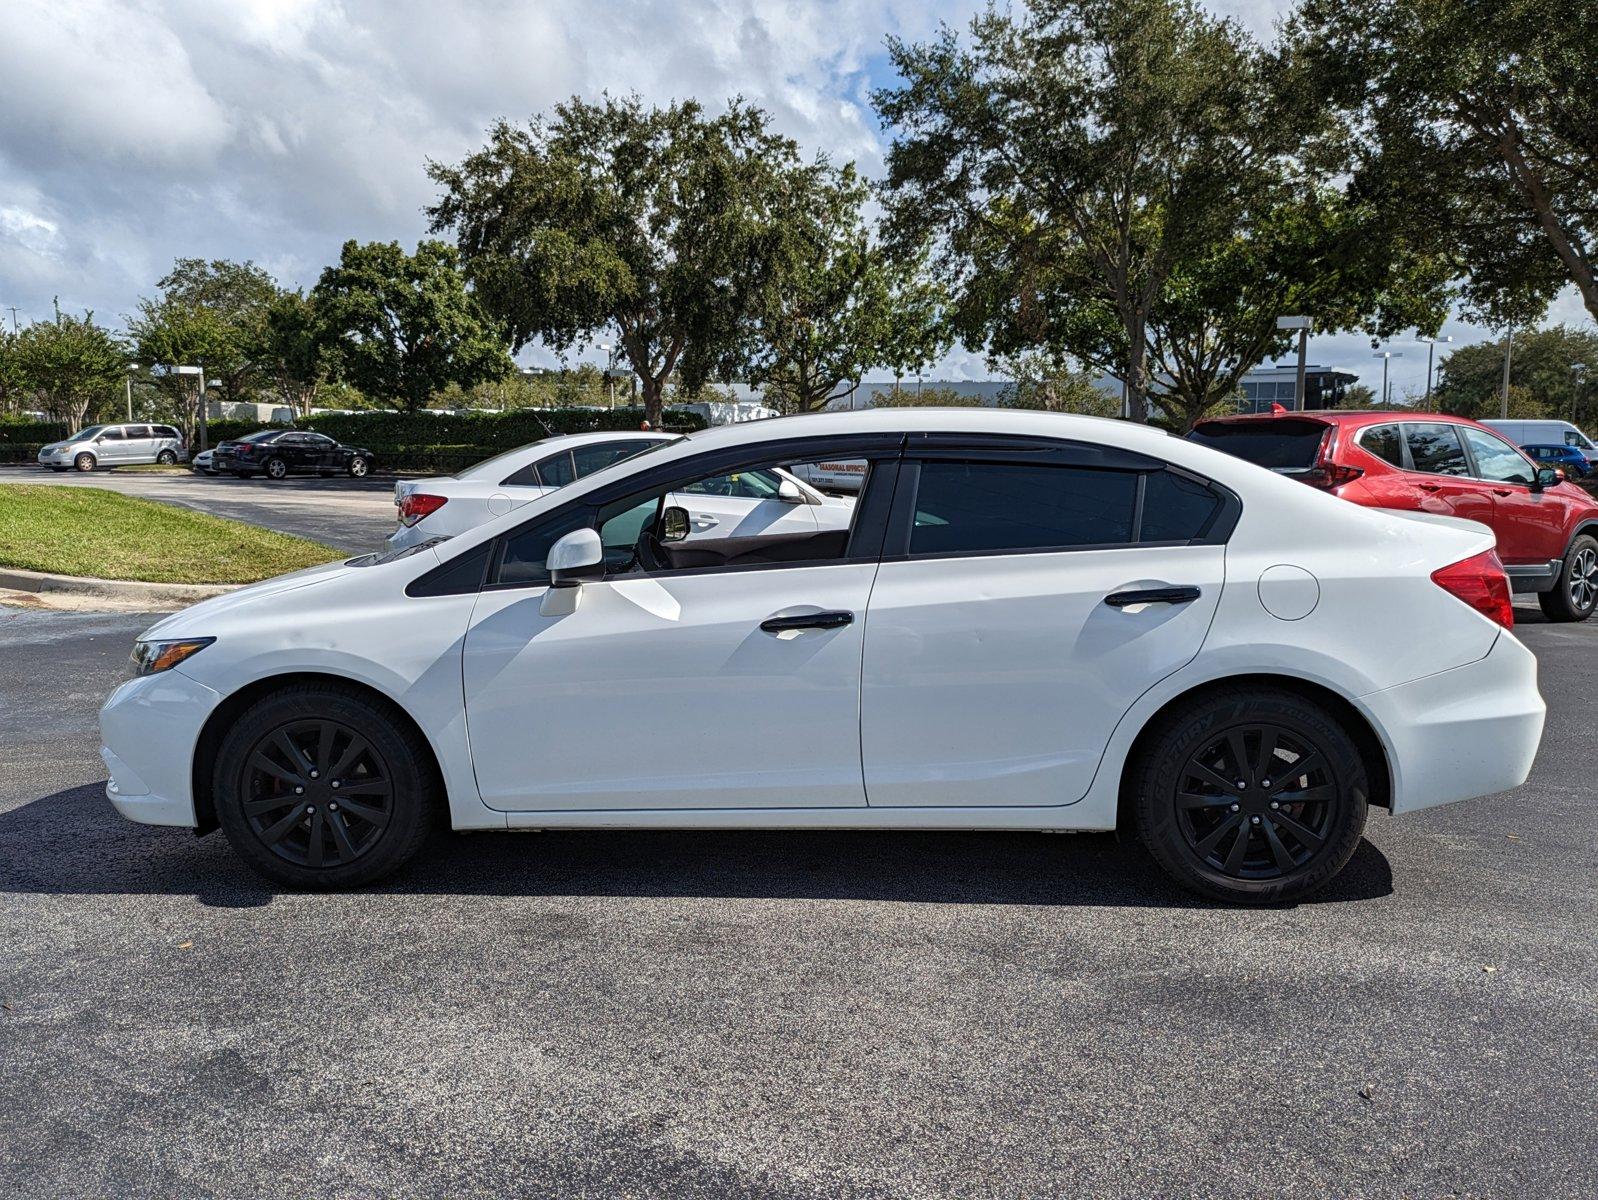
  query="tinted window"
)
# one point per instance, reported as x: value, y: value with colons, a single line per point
x: 166, y: 431
x: 1385, y: 442
x: 556, y: 470
x: 139, y: 431
x: 1435, y: 449
x: 113, y: 433
x: 750, y: 485
x: 1496, y: 459
x: 589, y: 459
x: 964, y: 507
x: 1281, y: 444
x: 527, y: 550
x: 262, y: 436
x: 1176, y: 509
x: 461, y: 574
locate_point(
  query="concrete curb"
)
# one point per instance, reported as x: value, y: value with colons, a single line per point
x: 156, y: 595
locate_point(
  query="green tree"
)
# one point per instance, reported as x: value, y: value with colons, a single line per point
x: 404, y: 325
x: 13, y: 385
x: 652, y: 222
x: 171, y: 332
x: 1543, y: 379
x: 236, y: 298
x: 1360, y: 396
x: 923, y: 397
x: 1481, y: 122
x: 1050, y: 384
x: 838, y: 304
x: 73, y: 363
x: 294, y: 350
x: 1069, y: 159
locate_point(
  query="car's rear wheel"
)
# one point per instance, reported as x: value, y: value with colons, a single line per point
x: 1575, y: 595
x: 276, y: 468
x: 359, y: 467
x: 166, y: 458
x: 317, y: 786
x: 84, y: 462
x: 1254, y: 796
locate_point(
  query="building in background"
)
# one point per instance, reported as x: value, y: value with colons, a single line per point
x: 1265, y: 386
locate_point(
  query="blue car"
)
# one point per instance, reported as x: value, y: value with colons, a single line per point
x: 1568, y: 458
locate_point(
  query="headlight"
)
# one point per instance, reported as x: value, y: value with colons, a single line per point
x: 151, y: 658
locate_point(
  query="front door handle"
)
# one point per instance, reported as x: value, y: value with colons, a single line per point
x: 704, y: 521
x: 820, y: 620
x: 1430, y: 487
x: 1158, y: 595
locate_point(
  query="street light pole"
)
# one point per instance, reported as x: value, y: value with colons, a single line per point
x: 1303, y: 325
x: 1577, y: 370
x: 1509, y: 356
x: 1385, y: 356
x: 1431, y: 350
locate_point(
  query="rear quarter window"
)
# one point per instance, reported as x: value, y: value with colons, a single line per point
x: 1385, y: 442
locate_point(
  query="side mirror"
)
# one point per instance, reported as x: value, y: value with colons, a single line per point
x: 578, y: 555
x: 1548, y: 477
x: 674, y: 524
x: 790, y: 492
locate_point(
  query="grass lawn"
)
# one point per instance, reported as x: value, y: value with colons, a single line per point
x: 88, y: 531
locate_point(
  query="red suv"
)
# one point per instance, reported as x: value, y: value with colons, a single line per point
x: 1432, y: 462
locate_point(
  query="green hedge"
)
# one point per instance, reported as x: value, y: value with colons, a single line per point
x: 32, y: 433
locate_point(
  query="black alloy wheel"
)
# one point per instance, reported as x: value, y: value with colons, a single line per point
x: 1252, y: 795
x: 1575, y: 593
x: 324, y: 785
x: 1256, y: 802
x: 316, y: 793
x: 359, y: 467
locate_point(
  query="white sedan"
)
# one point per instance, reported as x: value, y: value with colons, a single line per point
x: 1032, y: 621
x: 737, y: 504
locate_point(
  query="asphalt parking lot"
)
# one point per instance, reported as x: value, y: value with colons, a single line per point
x: 792, y: 1015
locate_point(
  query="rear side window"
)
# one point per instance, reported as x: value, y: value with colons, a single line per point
x: 1175, y: 508
x: 589, y: 459
x: 1435, y: 449
x: 1280, y: 444
x: 166, y: 431
x: 1385, y: 442
x: 975, y: 507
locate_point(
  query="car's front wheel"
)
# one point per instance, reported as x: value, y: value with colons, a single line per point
x: 84, y: 463
x: 1251, y: 795
x: 359, y: 467
x: 1575, y: 595
x: 318, y: 786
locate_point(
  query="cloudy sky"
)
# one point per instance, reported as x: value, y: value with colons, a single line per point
x: 135, y: 131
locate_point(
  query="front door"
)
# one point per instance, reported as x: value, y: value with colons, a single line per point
x: 1530, y: 524
x: 703, y: 676
x: 1027, y: 610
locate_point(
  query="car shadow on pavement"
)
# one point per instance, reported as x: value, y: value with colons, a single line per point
x: 71, y: 843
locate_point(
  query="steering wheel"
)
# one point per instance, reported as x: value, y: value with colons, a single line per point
x: 649, y: 553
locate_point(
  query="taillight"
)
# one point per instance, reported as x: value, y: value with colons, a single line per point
x: 413, y: 506
x: 1481, y: 583
x: 1330, y: 475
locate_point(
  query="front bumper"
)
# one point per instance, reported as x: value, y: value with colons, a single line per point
x: 1471, y: 731
x: 149, y: 728
x: 55, y: 458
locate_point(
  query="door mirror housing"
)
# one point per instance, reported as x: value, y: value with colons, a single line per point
x: 1547, y: 477
x: 575, y: 557
x: 790, y: 492
x: 674, y: 524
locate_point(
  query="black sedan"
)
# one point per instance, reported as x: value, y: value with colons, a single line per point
x: 277, y: 453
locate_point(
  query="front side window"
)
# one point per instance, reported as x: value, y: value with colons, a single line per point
x: 964, y: 508
x: 1496, y: 459
x: 112, y: 433
x: 1435, y: 449
x: 749, y: 485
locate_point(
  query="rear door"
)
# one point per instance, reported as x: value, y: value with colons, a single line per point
x: 1022, y: 606
x: 1442, y: 473
x: 141, y: 444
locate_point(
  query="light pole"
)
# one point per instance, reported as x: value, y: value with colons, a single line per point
x: 1509, y: 357
x: 610, y: 369
x: 1577, y: 370
x: 127, y: 381
x: 1385, y: 355
x: 1431, y: 350
x: 1303, y: 325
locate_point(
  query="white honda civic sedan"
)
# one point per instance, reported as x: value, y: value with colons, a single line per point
x: 1032, y: 621
x: 736, y: 503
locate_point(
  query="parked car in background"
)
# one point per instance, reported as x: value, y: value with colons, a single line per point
x: 1547, y: 529
x: 203, y: 463
x: 727, y: 506
x: 278, y: 453
x: 1568, y: 459
x: 1032, y: 621
x: 843, y: 476
x: 1546, y: 433
x: 115, y: 446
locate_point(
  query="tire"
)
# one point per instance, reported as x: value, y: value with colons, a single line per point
x: 359, y: 467
x: 84, y: 462
x: 1575, y: 594
x: 1190, y: 825
x: 166, y: 458
x: 307, y: 839
x: 276, y: 468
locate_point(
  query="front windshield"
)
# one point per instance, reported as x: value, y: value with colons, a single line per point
x: 85, y: 434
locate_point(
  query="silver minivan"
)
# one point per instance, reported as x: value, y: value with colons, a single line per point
x: 115, y: 446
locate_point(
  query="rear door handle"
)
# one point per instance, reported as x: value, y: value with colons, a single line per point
x: 820, y: 620
x: 1159, y: 595
x: 1430, y: 487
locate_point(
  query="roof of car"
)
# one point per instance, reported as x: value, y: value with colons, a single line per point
x: 1344, y: 416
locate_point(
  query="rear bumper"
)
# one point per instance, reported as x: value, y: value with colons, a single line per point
x: 1468, y: 732
x: 149, y: 728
